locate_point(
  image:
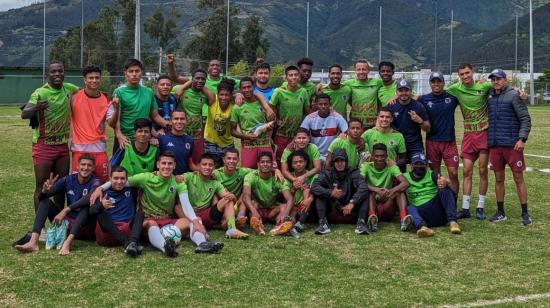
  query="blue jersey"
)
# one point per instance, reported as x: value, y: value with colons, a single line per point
x: 165, y: 108
x: 123, y: 204
x: 441, y: 111
x: 73, y: 190
x: 182, y: 146
x: 402, y: 122
x: 267, y: 92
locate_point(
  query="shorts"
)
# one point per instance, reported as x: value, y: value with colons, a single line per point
x: 385, y: 214
x: 473, y: 144
x: 101, y: 163
x: 249, y: 156
x: 198, y: 150
x: 86, y: 232
x: 216, y: 151
x: 265, y: 215
x: 281, y: 143
x: 446, y: 150
x: 210, y: 216
x: 103, y: 238
x: 161, y: 222
x: 47, y: 154
x: 499, y: 157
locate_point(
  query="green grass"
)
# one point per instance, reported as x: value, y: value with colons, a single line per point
x: 390, y: 268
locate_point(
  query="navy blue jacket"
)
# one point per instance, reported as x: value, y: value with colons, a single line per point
x: 509, y: 119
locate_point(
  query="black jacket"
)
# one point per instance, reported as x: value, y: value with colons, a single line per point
x: 354, y: 186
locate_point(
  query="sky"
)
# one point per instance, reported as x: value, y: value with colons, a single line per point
x: 12, y: 4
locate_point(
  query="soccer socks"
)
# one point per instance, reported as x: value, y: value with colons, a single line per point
x: 481, y: 202
x: 231, y: 222
x: 500, y: 207
x: 524, y: 209
x: 465, y: 202
x: 402, y: 214
x: 155, y: 238
x: 197, y: 237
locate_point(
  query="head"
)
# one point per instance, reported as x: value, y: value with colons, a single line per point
x: 384, y: 117
x: 498, y: 79
x: 302, y: 138
x: 225, y: 92
x: 178, y: 119
x: 199, y: 79
x: 362, y: 68
x: 207, y: 164
x: 142, y: 130
x: 355, y: 128
x: 166, y: 164
x: 261, y: 73
x: 404, y: 90
x: 419, y: 165
x: 379, y: 155
x: 118, y: 178
x: 386, y: 70
x: 298, y: 161
x: 231, y: 159
x: 466, y: 73
x: 86, y: 165
x: 214, y: 68
x: 292, y: 75
x: 247, y: 88
x: 265, y: 162
x: 322, y: 101
x: 133, y: 70
x: 339, y: 160
x: 437, y: 83
x: 335, y: 74
x: 56, y: 74
x: 164, y: 85
x: 306, y: 69
x: 92, y: 77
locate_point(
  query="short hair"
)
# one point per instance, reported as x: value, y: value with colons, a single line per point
x: 302, y: 130
x: 178, y: 109
x: 226, y: 84
x: 161, y: 77
x: 231, y: 150
x: 167, y: 153
x: 118, y: 169
x: 335, y: 65
x: 299, y: 153
x: 351, y: 120
x: 291, y: 68
x: 90, y: 69
x: 56, y: 62
x: 385, y: 109
x: 265, y: 154
x: 322, y: 96
x: 246, y: 79
x: 142, y: 123
x: 304, y: 60
x: 87, y: 156
x: 199, y: 70
x: 379, y: 146
x: 365, y: 61
x: 207, y: 156
x: 262, y: 65
x: 132, y: 62
x: 462, y: 66
x: 386, y: 63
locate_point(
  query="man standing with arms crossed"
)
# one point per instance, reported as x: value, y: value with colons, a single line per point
x: 364, y: 94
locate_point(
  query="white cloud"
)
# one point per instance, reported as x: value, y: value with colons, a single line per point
x: 12, y: 4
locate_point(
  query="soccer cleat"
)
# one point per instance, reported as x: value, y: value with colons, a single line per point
x: 455, y: 228
x: 498, y: 217
x: 424, y: 232
x: 323, y: 227
x: 50, y: 238
x: 209, y: 247
x: 526, y: 219
x: 132, y: 249
x: 257, y: 225
x: 361, y: 227
x: 463, y: 214
x: 480, y: 214
x: 170, y: 248
x: 372, y: 223
x: 23, y: 240
x: 282, y: 228
x: 241, y: 222
x: 295, y: 233
x: 299, y: 227
x: 406, y: 223
x: 235, y: 234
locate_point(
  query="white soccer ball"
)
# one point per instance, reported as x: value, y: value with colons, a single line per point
x: 171, y: 231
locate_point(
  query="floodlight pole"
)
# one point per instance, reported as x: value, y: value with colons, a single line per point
x: 44, y: 46
x: 451, y: 50
x: 307, y: 30
x: 380, y: 37
x: 531, y: 64
x: 516, y: 51
x: 82, y: 34
x: 137, y: 34
x: 227, y: 42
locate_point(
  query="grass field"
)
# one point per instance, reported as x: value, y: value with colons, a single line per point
x: 390, y: 268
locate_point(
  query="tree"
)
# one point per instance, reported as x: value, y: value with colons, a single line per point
x: 240, y: 69
x: 163, y: 32
x: 253, y: 45
x: 67, y: 48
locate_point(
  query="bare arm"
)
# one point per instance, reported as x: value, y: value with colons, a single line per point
x: 426, y: 126
x: 31, y: 110
x: 211, y: 97
x: 237, y: 134
x: 172, y: 72
x: 270, y: 115
x: 247, y: 196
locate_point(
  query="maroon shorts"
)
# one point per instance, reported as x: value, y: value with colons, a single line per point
x: 473, y: 144
x: 103, y: 238
x: 161, y: 222
x: 265, y: 215
x: 209, y: 220
x: 385, y: 213
x: 281, y: 143
x: 101, y: 163
x: 86, y: 232
x: 47, y: 154
x: 249, y: 156
x: 438, y: 150
x: 499, y: 157
x: 198, y: 150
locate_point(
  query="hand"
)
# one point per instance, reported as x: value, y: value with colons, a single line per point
x: 122, y: 141
x: 391, y: 193
x: 59, y: 217
x: 520, y: 145
x: 229, y: 196
x: 337, y: 193
x: 239, y: 99
x: 298, y: 182
x: 343, y: 136
x: 441, y: 182
x: 522, y: 94
x: 280, y: 218
x: 41, y: 105
x: 392, y: 101
x: 279, y: 176
x: 180, y: 179
x: 97, y: 194
x: 197, y: 226
x: 346, y: 210
x: 160, y: 132
x: 170, y: 58
x: 115, y: 101
x: 49, y: 183
x: 106, y: 202
x: 250, y: 136
x: 415, y: 117
x: 154, y: 142
x: 270, y: 115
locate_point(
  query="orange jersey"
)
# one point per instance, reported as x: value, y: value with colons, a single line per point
x: 88, y: 122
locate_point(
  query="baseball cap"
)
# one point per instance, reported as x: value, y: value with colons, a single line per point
x: 403, y: 83
x: 497, y: 73
x: 437, y: 75
x: 418, y: 158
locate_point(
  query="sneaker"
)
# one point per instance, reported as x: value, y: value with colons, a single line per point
x: 257, y: 225
x: 170, y: 248
x: 455, y: 228
x: 372, y: 223
x: 209, y: 247
x: 526, y: 219
x: 139, y: 249
x: 498, y: 217
x: 50, y: 238
x: 281, y: 228
x: 424, y: 232
x: 323, y: 227
x: 463, y: 214
x: 241, y: 222
x: 361, y: 227
x: 235, y: 234
x: 23, y: 240
x: 480, y: 214
x: 295, y: 233
x: 406, y: 223
x: 43, y: 236
x: 132, y: 249
x: 299, y: 227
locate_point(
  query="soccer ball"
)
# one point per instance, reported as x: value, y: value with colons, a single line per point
x: 171, y: 231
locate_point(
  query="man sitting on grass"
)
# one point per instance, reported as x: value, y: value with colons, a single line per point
x: 303, y: 198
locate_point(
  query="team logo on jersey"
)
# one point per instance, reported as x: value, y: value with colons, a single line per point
x: 84, y: 191
x: 188, y: 146
x: 344, y: 97
x: 210, y: 189
x: 301, y: 99
x: 479, y: 92
x: 170, y: 144
x: 447, y: 100
x: 392, y: 142
x: 70, y: 192
x: 519, y: 163
x: 127, y: 193
x: 430, y: 104
x: 171, y: 189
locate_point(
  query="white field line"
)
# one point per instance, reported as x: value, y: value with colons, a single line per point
x: 539, y: 156
x: 521, y: 299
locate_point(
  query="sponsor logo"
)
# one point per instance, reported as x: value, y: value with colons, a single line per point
x: 170, y: 144
x: 430, y: 104
x: 70, y: 192
x: 127, y: 193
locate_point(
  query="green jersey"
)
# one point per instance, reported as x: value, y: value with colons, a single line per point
x: 133, y: 103
x: 339, y: 98
x: 473, y: 103
x: 192, y: 103
x: 159, y: 195
x: 311, y: 150
x: 393, y: 140
x: 386, y: 93
x: 290, y: 105
x: 249, y: 116
x: 232, y: 183
x: 54, y: 122
x: 421, y: 191
x: 379, y: 178
x: 135, y: 162
x: 299, y: 194
x: 351, y: 150
x: 201, y: 190
x: 308, y: 86
x: 265, y: 192
x: 364, y: 100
